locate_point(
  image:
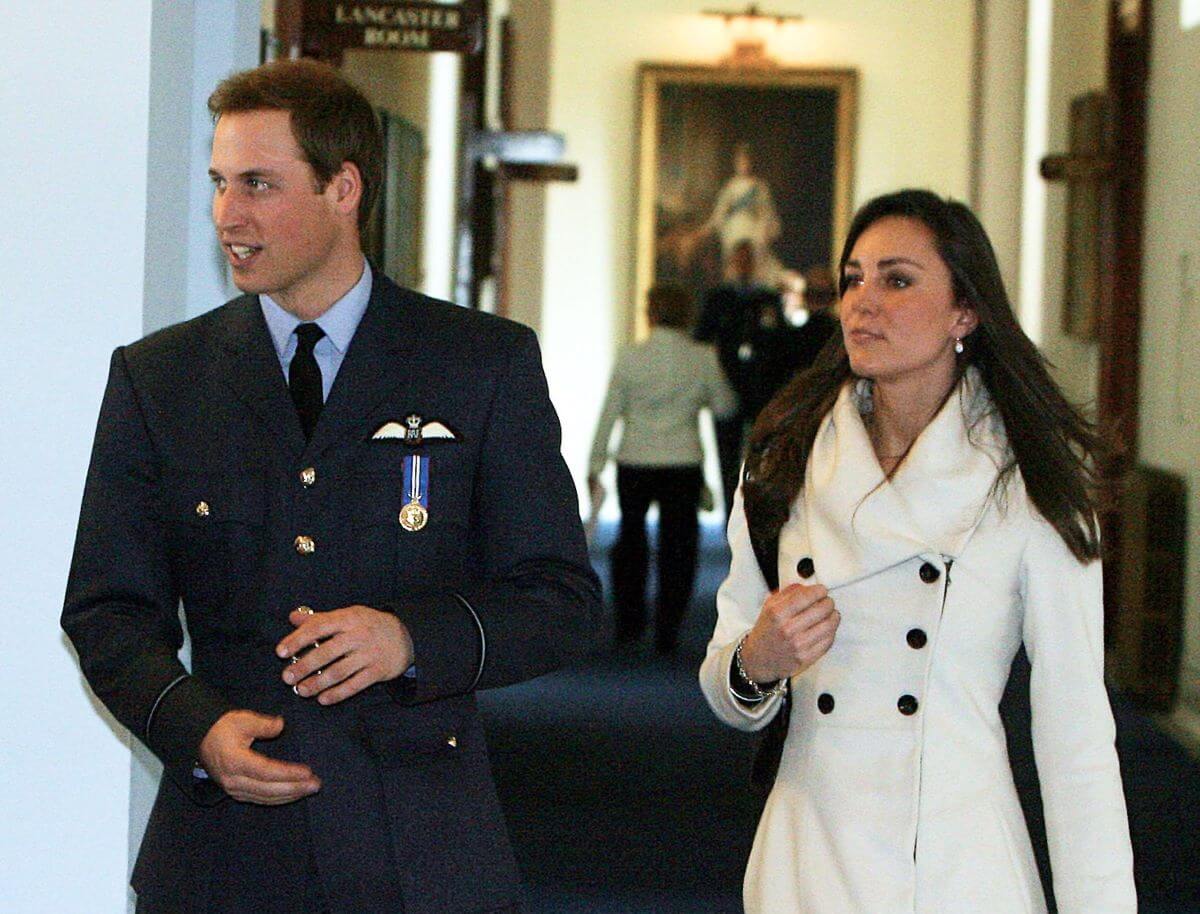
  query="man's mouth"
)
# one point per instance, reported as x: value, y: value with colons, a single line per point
x: 242, y: 251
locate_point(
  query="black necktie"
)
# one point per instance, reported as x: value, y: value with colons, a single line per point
x: 304, y: 377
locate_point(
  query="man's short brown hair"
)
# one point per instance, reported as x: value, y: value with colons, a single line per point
x: 670, y: 306
x: 331, y: 119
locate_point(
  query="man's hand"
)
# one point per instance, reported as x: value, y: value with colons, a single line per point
x: 250, y: 776
x: 351, y: 648
x: 794, y: 630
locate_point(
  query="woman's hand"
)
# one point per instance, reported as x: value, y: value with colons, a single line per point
x: 795, y: 628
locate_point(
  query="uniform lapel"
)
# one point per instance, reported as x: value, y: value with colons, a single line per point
x: 372, y: 369
x: 251, y: 369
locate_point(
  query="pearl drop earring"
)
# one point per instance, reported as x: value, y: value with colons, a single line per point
x: 958, y: 345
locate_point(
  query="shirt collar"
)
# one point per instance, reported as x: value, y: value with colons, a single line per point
x: 339, y: 322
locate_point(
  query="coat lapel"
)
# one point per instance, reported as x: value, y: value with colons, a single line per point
x: 372, y: 370
x: 860, y: 524
x: 251, y: 368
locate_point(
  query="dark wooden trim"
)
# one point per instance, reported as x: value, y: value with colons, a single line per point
x: 1074, y: 168
x: 529, y: 171
x: 289, y: 26
x: 1120, y: 301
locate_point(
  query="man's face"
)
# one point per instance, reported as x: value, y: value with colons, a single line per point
x: 280, y: 232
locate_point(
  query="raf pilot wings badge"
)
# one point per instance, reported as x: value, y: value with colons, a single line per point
x: 414, y: 431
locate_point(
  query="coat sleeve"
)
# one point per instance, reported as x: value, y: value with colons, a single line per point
x: 535, y: 602
x: 739, y: 600
x: 122, y: 605
x: 720, y: 396
x: 1073, y: 731
x: 613, y: 409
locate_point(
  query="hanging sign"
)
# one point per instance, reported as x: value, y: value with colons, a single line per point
x: 392, y: 26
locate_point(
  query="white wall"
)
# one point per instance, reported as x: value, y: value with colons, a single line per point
x: 1078, y: 54
x: 532, y: 27
x: 998, y: 173
x: 100, y: 244
x: 914, y: 62
x: 73, y: 162
x: 1170, y: 380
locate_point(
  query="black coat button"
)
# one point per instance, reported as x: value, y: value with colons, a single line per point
x: 916, y: 638
x: 805, y: 568
x: 929, y: 573
x: 824, y: 702
x: 907, y: 705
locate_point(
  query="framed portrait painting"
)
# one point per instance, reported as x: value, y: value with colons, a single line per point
x: 732, y: 157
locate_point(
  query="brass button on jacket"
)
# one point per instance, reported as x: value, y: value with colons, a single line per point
x: 308, y: 476
x: 305, y: 545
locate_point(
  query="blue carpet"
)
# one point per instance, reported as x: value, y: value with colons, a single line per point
x: 625, y: 796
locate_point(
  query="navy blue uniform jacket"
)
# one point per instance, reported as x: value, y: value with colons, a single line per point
x: 495, y: 589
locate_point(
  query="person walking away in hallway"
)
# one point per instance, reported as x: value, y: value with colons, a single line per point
x: 657, y: 390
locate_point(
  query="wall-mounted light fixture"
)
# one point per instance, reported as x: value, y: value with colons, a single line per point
x: 749, y: 29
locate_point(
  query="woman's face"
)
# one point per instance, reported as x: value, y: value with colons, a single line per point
x: 899, y: 314
x: 741, y: 162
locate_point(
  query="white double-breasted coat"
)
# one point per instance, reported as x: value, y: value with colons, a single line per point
x: 894, y: 793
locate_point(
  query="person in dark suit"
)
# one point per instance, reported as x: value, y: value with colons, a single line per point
x: 745, y: 321
x: 358, y: 495
x: 816, y: 323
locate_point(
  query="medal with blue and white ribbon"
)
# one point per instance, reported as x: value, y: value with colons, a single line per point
x: 415, y: 513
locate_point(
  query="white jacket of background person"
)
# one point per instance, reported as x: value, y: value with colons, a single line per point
x: 657, y: 389
x: 879, y: 811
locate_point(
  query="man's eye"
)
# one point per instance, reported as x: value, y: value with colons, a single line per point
x: 257, y: 184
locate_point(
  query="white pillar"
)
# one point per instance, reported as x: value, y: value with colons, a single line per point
x: 73, y: 162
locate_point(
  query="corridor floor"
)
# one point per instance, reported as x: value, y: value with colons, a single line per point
x: 625, y: 796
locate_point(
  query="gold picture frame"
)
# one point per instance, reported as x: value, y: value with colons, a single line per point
x: 782, y: 138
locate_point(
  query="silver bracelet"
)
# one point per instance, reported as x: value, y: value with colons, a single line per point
x: 759, y: 693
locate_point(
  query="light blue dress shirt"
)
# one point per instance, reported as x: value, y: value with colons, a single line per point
x: 339, y: 323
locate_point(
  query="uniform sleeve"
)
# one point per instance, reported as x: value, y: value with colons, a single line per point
x: 739, y: 600
x: 614, y: 408
x: 122, y: 606
x: 535, y: 602
x: 1073, y: 730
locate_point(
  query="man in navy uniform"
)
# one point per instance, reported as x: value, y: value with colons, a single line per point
x: 358, y: 495
x: 746, y: 323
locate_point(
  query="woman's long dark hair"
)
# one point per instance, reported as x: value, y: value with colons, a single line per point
x: 1052, y: 443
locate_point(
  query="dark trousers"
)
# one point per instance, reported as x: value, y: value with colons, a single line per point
x: 730, y: 434
x: 676, y: 489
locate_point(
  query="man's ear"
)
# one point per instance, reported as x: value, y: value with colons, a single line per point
x: 347, y: 188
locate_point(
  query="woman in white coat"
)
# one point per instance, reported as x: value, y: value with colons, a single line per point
x: 927, y: 494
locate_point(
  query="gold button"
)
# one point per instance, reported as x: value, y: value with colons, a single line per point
x: 452, y: 742
x: 307, y: 610
x: 305, y: 545
x: 202, y: 509
x: 308, y: 476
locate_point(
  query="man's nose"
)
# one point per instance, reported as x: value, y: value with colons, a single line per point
x: 227, y: 210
